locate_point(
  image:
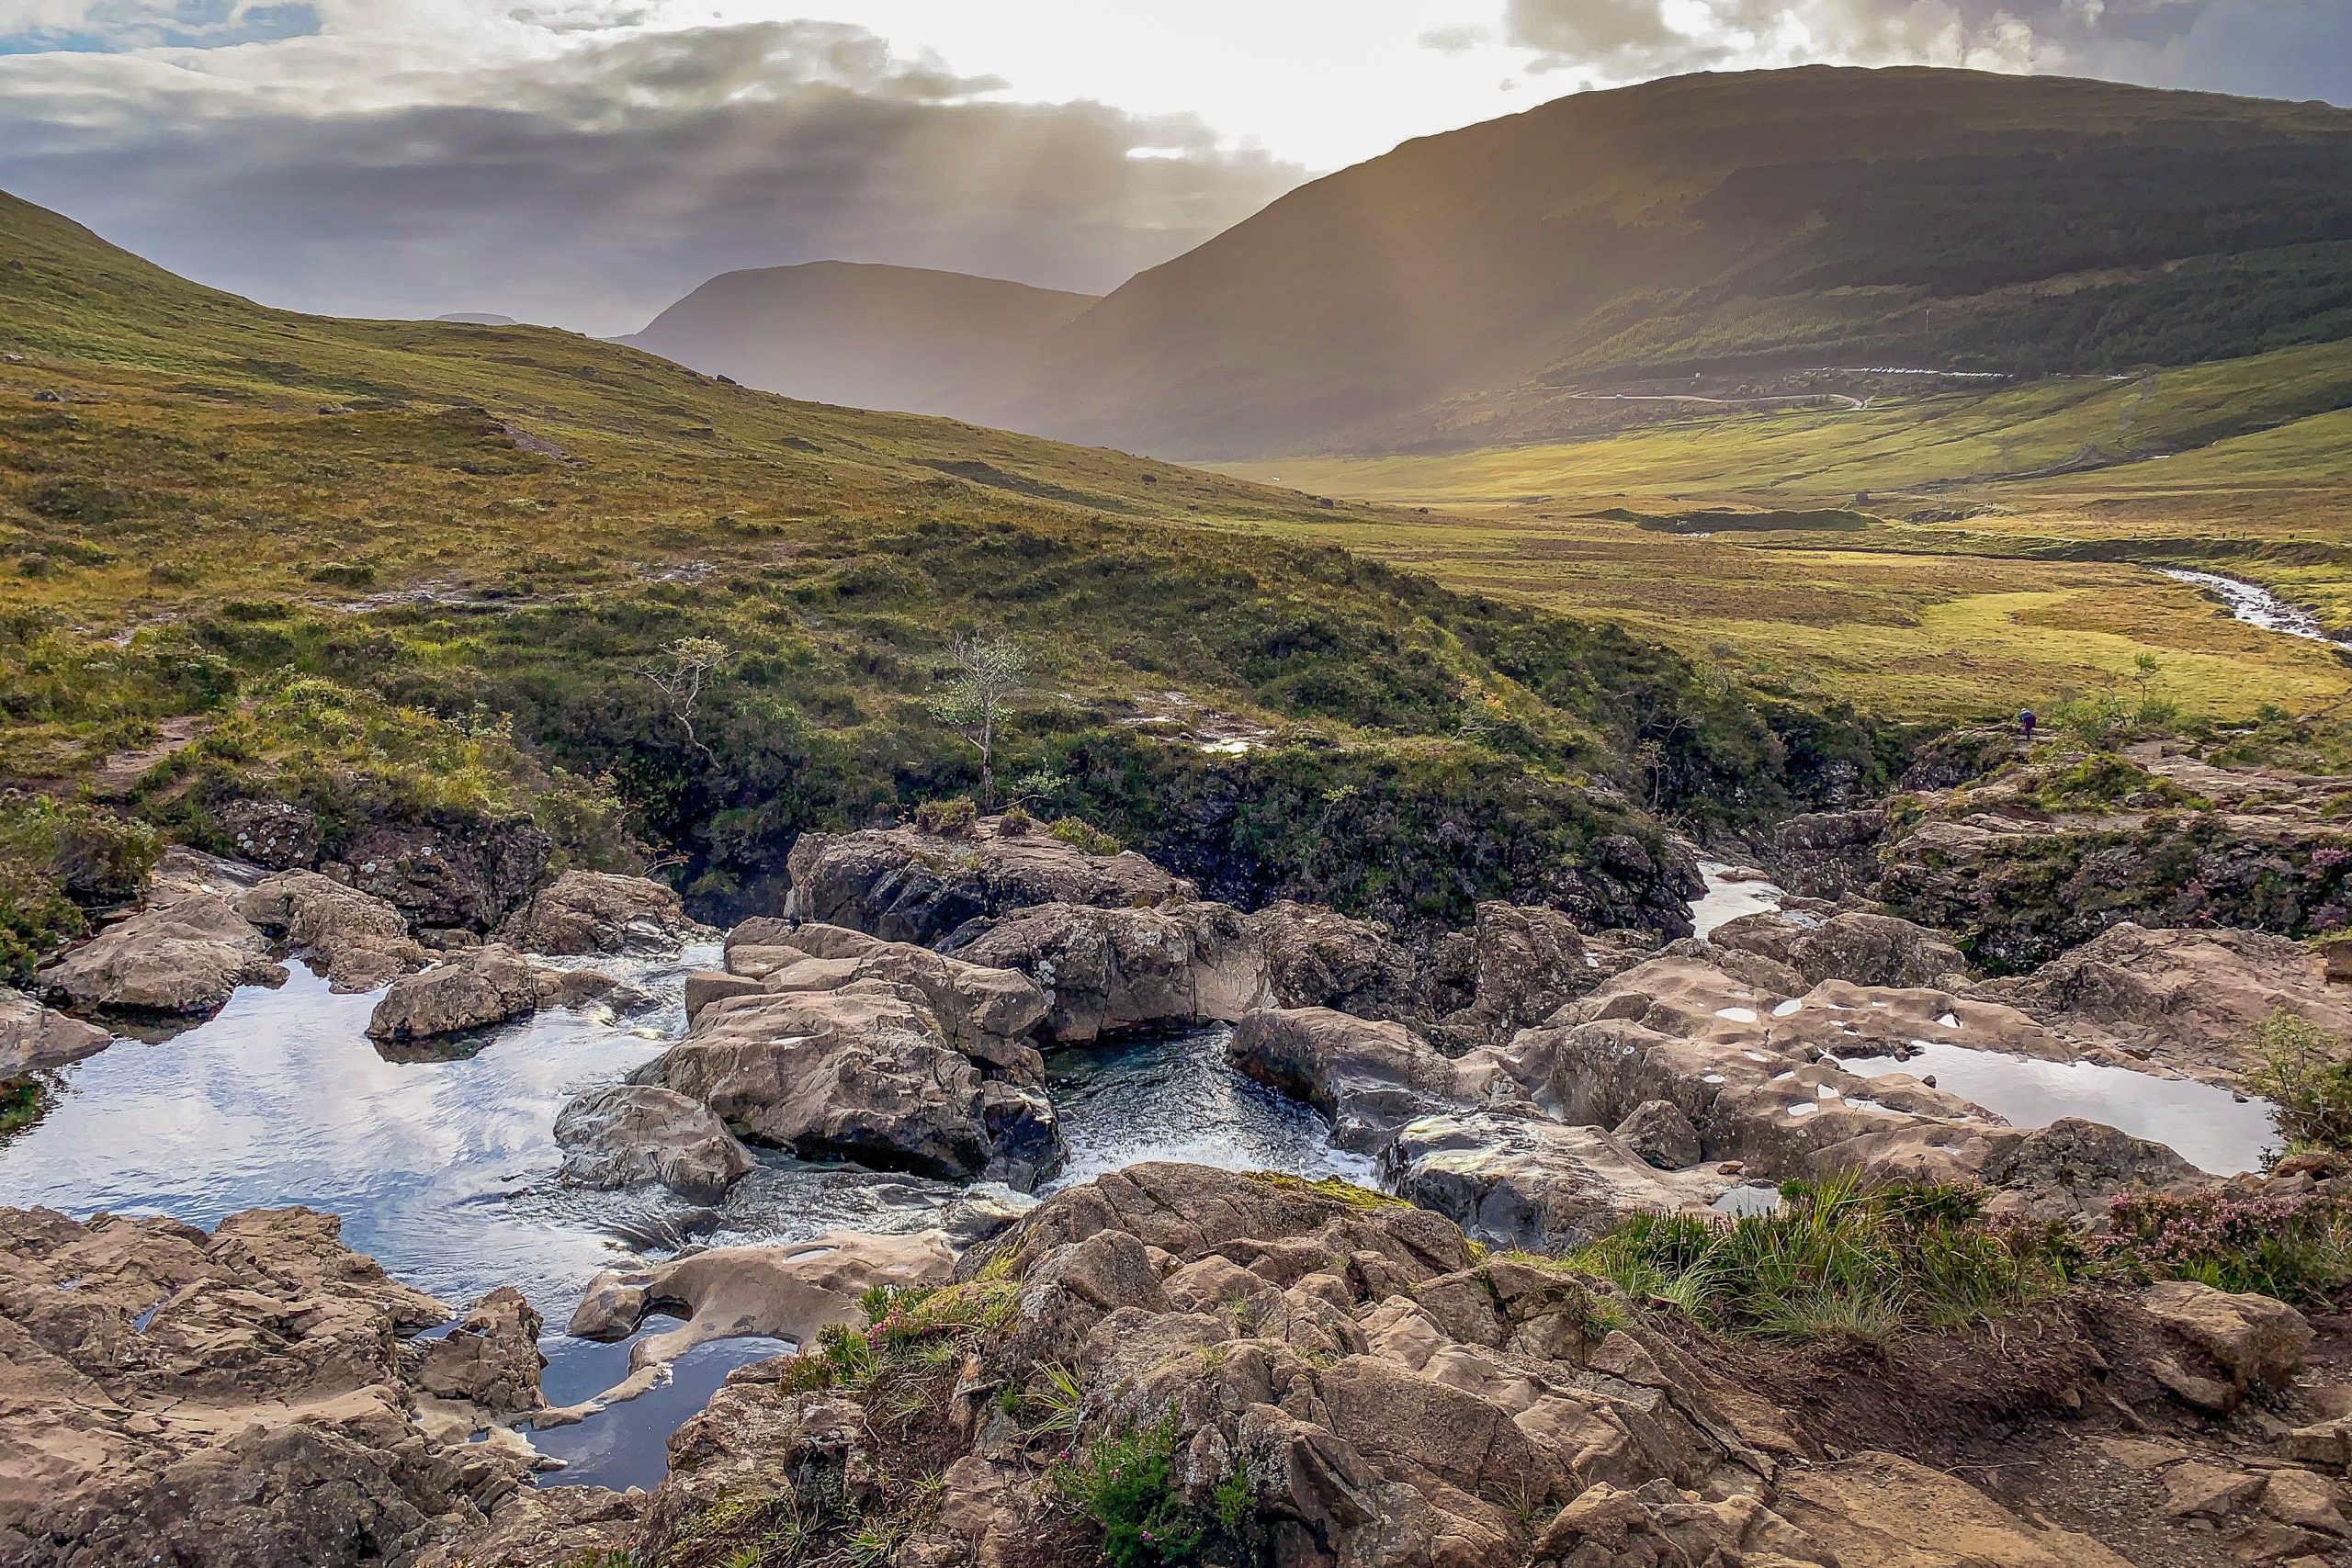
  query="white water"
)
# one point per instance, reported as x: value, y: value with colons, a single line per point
x: 1726, y: 900
x: 2256, y: 605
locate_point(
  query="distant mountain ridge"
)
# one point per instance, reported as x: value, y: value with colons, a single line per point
x: 858, y: 334
x: 1713, y: 232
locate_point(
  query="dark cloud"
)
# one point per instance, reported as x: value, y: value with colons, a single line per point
x: 595, y: 190
x: 2286, y: 49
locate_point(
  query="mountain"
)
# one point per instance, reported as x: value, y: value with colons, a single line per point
x: 1722, y: 234
x: 861, y: 335
x: 432, y: 580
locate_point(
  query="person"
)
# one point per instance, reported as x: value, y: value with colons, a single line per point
x: 2025, y: 722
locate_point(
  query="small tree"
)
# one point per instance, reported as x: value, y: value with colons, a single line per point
x: 989, y: 674
x: 693, y: 662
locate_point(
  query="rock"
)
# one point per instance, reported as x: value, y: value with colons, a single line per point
x: 35, y: 1039
x: 2327, y: 1443
x: 473, y: 989
x: 2310, y: 1502
x: 627, y: 1134
x: 460, y: 872
x: 1316, y: 958
x: 780, y: 1293
x: 2257, y: 1341
x: 274, y: 834
x: 861, y: 1072
x: 181, y: 872
x: 490, y: 1359
x: 183, y: 959
x: 1659, y: 1132
x: 1103, y: 970
x: 1530, y: 1182
x: 1855, y: 946
x: 1829, y: 854
x: 705, y: 986
x: 2208, y: 1490
x: 1528, y: 961
x: 589, y: 912
x: 1876, y: 1509
x: 230, y: 1400
x: 2190, y: 998
x: 1367, y: 1078
x: 988, y: 1013
x: 903, y: 884
x: 361, y: 942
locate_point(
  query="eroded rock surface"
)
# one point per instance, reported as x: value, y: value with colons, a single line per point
x: 596, y: 912
x: 360, y: 941
x: 1525, y: 1181
x: 988, y: 1013
x: 35, y: 1039
x: 1858, y: 946
x: 477, y: 989
x: 904, y: 884
x: 463, y: 874
x: 1367, y: 1078
x: 1317, y: 958
x: 230, y: 1400
x: 1103, y: 970
x: 184, y: 959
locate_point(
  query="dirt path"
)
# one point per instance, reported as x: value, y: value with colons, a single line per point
x: 120, y: 772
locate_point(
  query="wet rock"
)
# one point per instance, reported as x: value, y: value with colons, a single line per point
x: 1878, y: 1509
x: 594, y: 912
x: 907, y: 885
x: 861, y: 1072
x: 2257, y: 1342
x: 627, y: 1134
x: 466, y: 873
x: 182, y: 959
x: 1662, y: 1136
x: 1316, y: 958
x: 490, y: 1359
x: 361, y: 942
x: 473, y: 989
x: 1367, y: 1078
x: 2192, y: 999
x: 230, y: 1400
x: 35, y: 1039
x: 1524, y: 1180
x: 274, y: 834
x: 1853, y: 945
x: 1102, y: 970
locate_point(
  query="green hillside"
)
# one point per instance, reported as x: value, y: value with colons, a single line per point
x: 430, y: 571
x: 1734, y: 236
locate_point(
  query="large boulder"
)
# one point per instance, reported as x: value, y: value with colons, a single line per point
x: 2258, y: 1343
x: 1829, y: 854
x: 1367, y: 1078
x: 1525, y: 962
x: 908, y: 885
x: 986, y: 1013
x: 2189, y: 999
x: 479, y: 987
x: 1525, y: 1181
x: 596, y: 912
x: 1103, y: 970
x: 1316, y: 958
x: 464, y: 873
x: 360, y: 941
x: 862, y: 1072
x: 184, y: 959
x: 489, y: 1357
x: 34, y: 1038
x: 1854, y: 945
x: 626, y: 1133
x: 238, y: 1399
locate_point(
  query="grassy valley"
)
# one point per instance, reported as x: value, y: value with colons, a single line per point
x: 442, y: 572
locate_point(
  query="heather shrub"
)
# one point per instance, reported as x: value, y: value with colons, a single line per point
x: 2298, y: 1248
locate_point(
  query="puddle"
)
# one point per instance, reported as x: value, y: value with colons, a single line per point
x: 1726, y: 900
x: 629, y: 1445
x: 2207, y: 1126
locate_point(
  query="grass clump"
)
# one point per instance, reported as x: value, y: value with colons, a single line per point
x: 58, y: 860
x: 1085, y: 837
x: 951, y: 819
x: 1839, y: 1260
x: 20, y: 1105
x: 1125, y: 1483
x: 2306, y: 1072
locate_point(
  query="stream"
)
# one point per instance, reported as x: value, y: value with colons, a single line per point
x: 2256, y: 605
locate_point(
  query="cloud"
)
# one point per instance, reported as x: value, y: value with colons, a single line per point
x: 2289, y: 48
x: 1459, y: 39
x: 35, y: 27
x: 595, y: 183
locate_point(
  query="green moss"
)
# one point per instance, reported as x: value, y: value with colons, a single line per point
x: 1345, y: 1191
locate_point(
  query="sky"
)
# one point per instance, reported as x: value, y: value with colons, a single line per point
x: 584, y: 163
